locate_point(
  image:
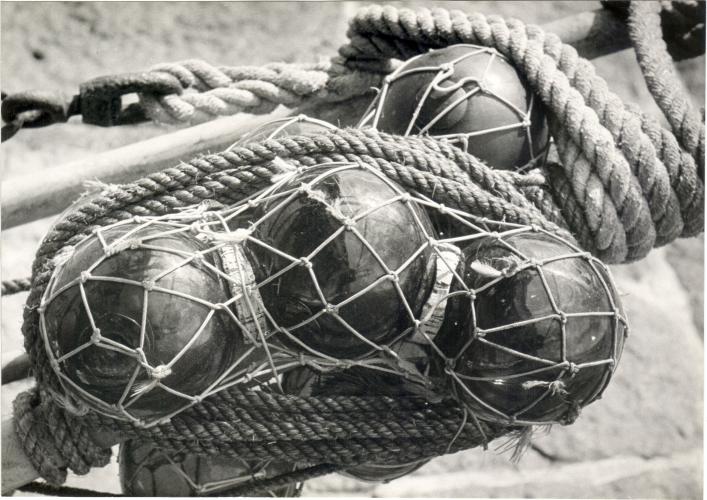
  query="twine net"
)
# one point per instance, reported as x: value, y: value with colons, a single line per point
x: 273, y: 334
x: 485, y: 86
x: 283, y: 127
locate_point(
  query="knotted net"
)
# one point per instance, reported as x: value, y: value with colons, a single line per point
x: 313, y: 308
x: 618, y: 209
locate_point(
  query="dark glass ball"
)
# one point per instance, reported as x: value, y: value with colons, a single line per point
x: 434, y: 92
x: 147, y: 471
x: 301, y: 224
x: 356, y: 381
x: 510, y: 352
x: 282, y: 127
x: 110, y: 370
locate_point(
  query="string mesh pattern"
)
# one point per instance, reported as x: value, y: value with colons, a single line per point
x: 289, y: 125
x: 147, y: 470
x: 377, y: 34
x: 448, y: 79
x: 281, y: 346
x: 557, y: 366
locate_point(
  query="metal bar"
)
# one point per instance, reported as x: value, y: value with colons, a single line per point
x: 24, y: 200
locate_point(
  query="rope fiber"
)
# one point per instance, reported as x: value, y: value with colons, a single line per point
x: 617, y: 183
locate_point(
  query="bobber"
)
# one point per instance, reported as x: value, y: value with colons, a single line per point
x: 281, y: 127
x: 148, y: 471
x: 533, y: 328
x: 468, y: 95
x: 137, y: 321
x: 341, y: 258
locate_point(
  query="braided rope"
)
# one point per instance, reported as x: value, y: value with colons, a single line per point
x: 662, y: 80
x: 35, y: 436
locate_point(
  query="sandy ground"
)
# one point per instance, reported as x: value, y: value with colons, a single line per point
x: 644, y: 439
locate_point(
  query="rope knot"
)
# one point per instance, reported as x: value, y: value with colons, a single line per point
x: 160, y: 372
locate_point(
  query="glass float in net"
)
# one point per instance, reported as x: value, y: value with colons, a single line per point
x: 335, y: 266
x: 148, y: 471
x: 281, y: 127
x: 534, y: 329
x: 139, y: 319
x: 470, y: 96
x: 341, y: 258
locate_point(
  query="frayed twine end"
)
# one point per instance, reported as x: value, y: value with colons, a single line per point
x: 556, y: 386
x: 286, y: 170
x: 120, y: 246
x: 238, y: 236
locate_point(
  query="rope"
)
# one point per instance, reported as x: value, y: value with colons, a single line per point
x: 683, y: 25
x: 10, y: 287
x: 621, y: 184
x: 443, y: 173
x: 662, y: 80
x: 220, y: 91
x: 599, y: 142
x: 446, y: 174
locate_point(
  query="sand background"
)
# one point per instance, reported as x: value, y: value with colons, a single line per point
x: 644, y: 439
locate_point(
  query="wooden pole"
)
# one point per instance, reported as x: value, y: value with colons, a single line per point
x: 24, y: 199
x: 27, y: 198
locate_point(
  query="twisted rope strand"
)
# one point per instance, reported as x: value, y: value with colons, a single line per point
x: 544, y: 60
x: 626, y: 130
x: 624, y: 185
x: 663, y: 82
x: 551, y: 85
x: 221, y: 91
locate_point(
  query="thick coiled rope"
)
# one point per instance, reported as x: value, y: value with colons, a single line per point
x: 621, y: 185
x: 663, y: 82
x: 222, y: 91
x: 598, y: 139
x: 625, y: 179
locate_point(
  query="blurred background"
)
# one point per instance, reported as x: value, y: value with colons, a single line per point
x: 643, y: 439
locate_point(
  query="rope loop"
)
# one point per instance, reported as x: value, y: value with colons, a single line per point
x: 616, y: 172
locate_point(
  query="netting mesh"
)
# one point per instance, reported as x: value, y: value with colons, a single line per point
x: 146, y: 470
x: 332, y: 267
x: 469, y: 96
x: 290, y: 125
